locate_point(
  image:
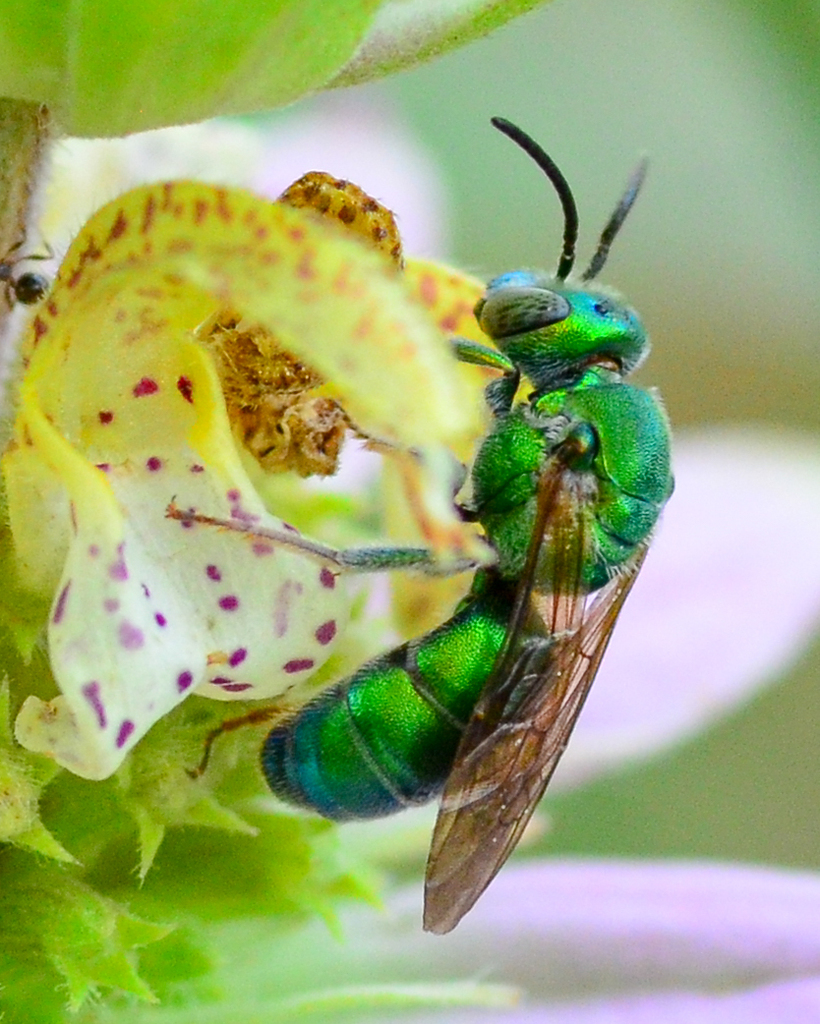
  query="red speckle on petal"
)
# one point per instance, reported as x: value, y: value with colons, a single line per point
x: 428, y: 290
x: 111, y: 605
x: 146, y: 386
x: 236, y: 687
x: 260, y: 548
x: 105, y: 416
x: 196, y: 468
x: 298, y: 665
x: 327, y: 578
x: 184, y: 680
x: 160, y: 619
x: 223, y: 211
x: 186, y: 388
x: 148, y: 214
x: 326, y: 632
x: 119, y: 226
x: 153, y: 464
x: 213, y: 573
x: 40, y: 328
x: 237, y: 657
x: 305, y: 268
x: 229, y: 603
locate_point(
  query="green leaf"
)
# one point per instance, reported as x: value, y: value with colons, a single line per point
x: 174, y: 63
x: 409, y: 32
x: 194, y: 59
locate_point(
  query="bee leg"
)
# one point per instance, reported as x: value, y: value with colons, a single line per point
x: 255, y: 717
x: 375, y: 559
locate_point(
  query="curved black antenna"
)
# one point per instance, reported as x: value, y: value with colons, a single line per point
x: 615, y: 221
x: 559, y: 183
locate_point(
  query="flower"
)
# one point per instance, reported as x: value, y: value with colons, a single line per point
x: 121, y: 411
x: 589, y: 942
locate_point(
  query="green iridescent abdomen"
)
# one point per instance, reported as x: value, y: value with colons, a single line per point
x: 385, y: 738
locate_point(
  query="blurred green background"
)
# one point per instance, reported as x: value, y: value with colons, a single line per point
x: 720, y: 257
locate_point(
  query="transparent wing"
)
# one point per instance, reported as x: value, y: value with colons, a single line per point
x: 523, y: 721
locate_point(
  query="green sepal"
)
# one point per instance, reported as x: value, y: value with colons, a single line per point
x: 22, y: 611
x: 52, y: 919
x: 23, y: 777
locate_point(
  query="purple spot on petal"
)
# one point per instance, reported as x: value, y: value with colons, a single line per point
x: 91, y: 692
x: 126, y: 729
x: 145, y: 590
x: 237, y: 687
x: 196, y: 468
x: 153, y: 464
x: 221, y: 681
x: 298, y: 665
x: 160, y: 619
x: 237, y: 510
x: 93, y: 550
x: 213, y: 573
x: 118, y: 570
x: 184, y: 680
x: 146, y: 386
x: 237, y: 657
x: 282, y: 606
x: 111, y: 605
x: 229, y: 603
x: 131, y: 638
x: 104, y: 466
x: 59, y: 608
x: 260, y: 547
x: 105, y: 416
x: 326, y: 632
x: 327, y: 578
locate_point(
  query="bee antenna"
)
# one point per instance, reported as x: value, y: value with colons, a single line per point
x: 616, y: 220
x: 559, y: 183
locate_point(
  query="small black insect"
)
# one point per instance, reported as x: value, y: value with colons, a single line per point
x: 29, y: 287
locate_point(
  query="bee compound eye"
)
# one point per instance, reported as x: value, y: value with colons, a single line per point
x: 513, y: 310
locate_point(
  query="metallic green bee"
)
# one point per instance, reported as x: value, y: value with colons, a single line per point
x: 567, y: 487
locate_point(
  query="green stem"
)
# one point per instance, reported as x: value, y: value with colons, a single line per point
x: 25, y: 129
